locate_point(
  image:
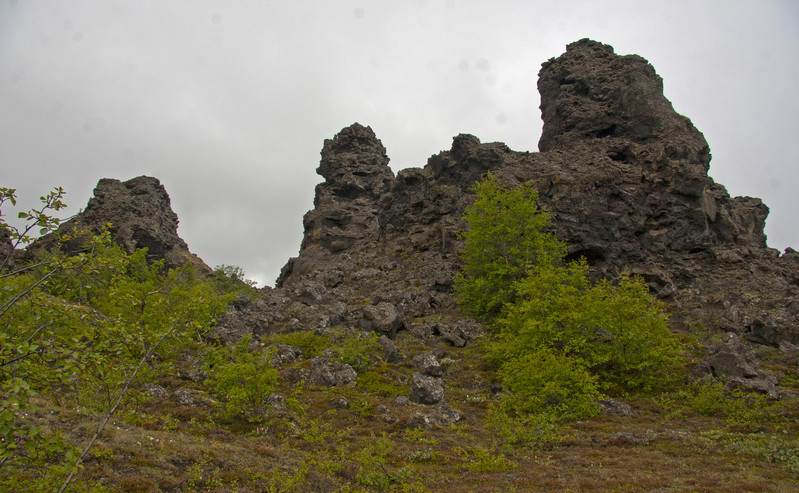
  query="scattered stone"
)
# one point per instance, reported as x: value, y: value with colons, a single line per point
x: 327, y: 373
x: 428, y: 364
x: 155, y: 391
x: 390, y: 352
x: 284, y: 354
x: 189, y: 398
x: 444, y: 416
x: 340, y: 403
x: 294, y: 325
x: 419, y: 420
x: 426, y: 389
x: 402, y: 401
x: 194, y: 371
x: 624, y: 438
x: 617, y: 408
x: 385, y: 415
x: 276, y: 401
x: 735, y: 364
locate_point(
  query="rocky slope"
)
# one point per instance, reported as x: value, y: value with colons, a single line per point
x: 624, y: 177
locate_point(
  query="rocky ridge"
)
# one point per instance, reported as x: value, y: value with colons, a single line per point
x: 624, y: 177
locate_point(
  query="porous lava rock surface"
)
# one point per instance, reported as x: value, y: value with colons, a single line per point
x: 624, y: 177
x: 140, y: 215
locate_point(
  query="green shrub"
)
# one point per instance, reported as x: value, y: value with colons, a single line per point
x: 311, y: 344
x: 769, y: 448
x: 708, y: 397
x: 504, y: 239
x: 482, y: 460
x: 529, y: 430
x: 376, y: 383
x: 560, y: 338
x: 545, y: 382
x: 357, y: 349
x: 242, y: 378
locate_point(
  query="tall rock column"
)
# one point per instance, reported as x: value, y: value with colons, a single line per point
x: 355, y: 167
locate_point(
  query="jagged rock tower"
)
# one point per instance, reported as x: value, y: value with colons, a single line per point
x: 141, y: 216
x: 622, y: 174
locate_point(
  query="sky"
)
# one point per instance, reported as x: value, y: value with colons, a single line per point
x: 228, y: 103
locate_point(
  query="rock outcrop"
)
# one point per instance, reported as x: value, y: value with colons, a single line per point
x: 141, y: 216
x: 624, y: 177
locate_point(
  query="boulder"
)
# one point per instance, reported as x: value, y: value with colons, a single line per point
x: 390, y: 352
x: 428, y: 364
x: 426, y: 389
x: 734, y: 363
x: 328, y: 373
x: 383, y: 318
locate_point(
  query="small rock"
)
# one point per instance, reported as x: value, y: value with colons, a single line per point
x: 428, y: 364
x: 294, y: 325
x: 283, y: 354
x: 326, y: 373
x: 618, y: 408
x: 276, y: 401
x: 624, y: 438
x: 445, y: 416
x: 390, y: 352
x: 426, y: 389
x: 184, y: 397
x: 340, y: 403
x: 155, y: 391
x: 402, y: 401
x: 419, y: 420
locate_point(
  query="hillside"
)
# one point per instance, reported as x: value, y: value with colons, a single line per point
x: 383, y: 382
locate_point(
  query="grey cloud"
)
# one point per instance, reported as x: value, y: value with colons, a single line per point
x: 228, y: 104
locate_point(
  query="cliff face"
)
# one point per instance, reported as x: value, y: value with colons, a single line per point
x: 622, y: 174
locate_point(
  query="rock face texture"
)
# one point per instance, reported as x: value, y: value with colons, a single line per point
x: 141, y: 215
x: 624, y: 177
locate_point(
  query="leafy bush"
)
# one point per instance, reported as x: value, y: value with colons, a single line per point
x: 769, y: 448
x: 376, y: 383
x: 482, y: 460
x: 504, y: 239
x: 83, y: 328
x: 357, y: 348
x: 311, y: 344
x: 619, y: 331
x: 242, y: 378
x: 528, y: 430
x: 545, y: 382
x: 707, y: 397
x: 559, y: 337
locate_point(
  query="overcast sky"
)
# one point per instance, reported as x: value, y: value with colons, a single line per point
x: 228, y: 103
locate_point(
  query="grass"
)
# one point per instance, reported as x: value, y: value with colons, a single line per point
x: 312, y: 445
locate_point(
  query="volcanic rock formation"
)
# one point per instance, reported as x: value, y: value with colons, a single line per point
x: 624, y: 177
x: 622, y: 174
x: 140, y: 215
